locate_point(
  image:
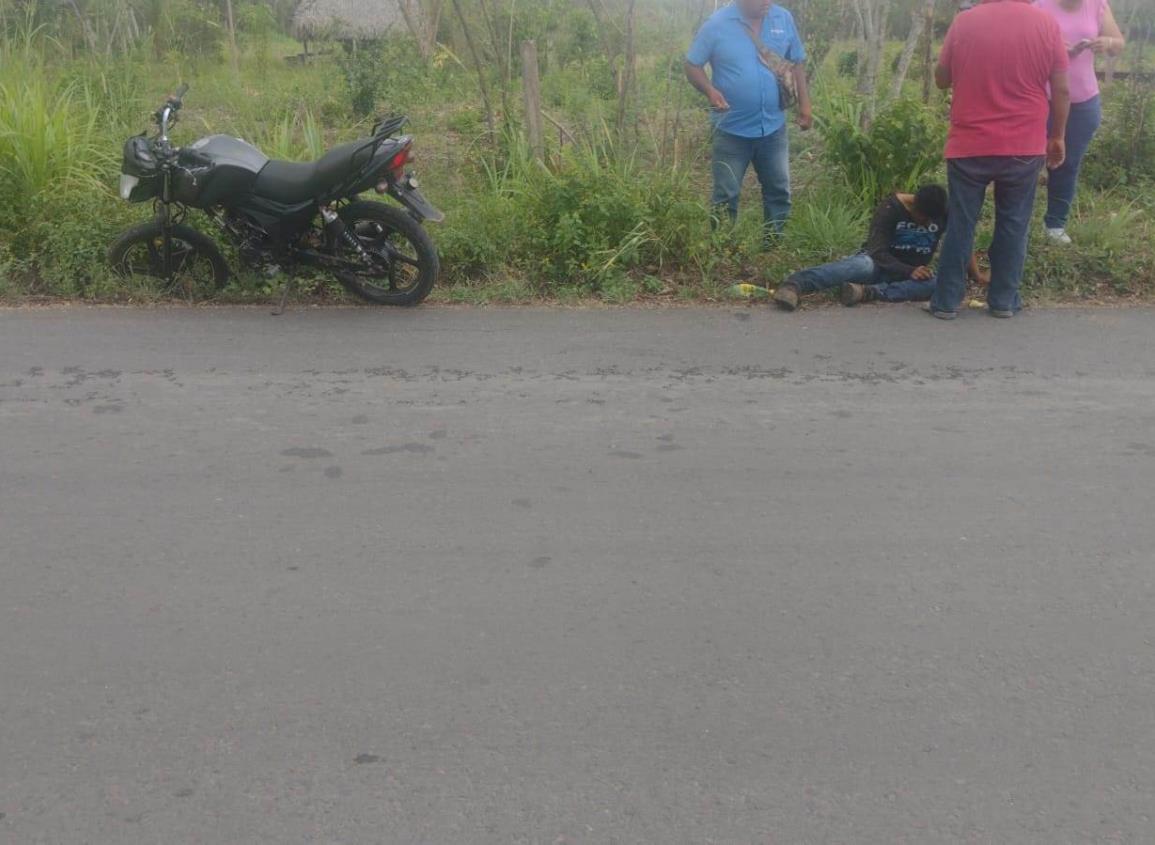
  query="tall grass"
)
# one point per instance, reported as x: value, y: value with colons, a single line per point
x: 48, y: 138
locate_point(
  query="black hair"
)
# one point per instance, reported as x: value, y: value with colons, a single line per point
x: 930, y: 200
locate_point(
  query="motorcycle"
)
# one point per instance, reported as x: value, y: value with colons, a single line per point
x: 280, y: 215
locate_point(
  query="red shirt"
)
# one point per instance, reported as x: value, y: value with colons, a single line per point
x: 1001, y: 56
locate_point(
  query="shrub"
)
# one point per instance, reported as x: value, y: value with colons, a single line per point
x: 390, y: 78
x: 598, y: 215
x: 848, y: 64
x: 1124, y: 150
x: 901, y: 149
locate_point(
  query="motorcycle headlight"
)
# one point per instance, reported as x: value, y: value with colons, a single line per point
x: 127, y: 183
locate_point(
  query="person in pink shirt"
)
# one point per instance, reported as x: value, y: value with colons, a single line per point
x: 1007, y: 65
x: 1089, y: 29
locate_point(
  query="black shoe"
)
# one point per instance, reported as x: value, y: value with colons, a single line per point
x: 786, y: 296
x: 941, y: 315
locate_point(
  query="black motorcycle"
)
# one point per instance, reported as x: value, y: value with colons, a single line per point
x: 280, y: 215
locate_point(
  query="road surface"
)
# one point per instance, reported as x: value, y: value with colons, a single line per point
x: 565, y: 576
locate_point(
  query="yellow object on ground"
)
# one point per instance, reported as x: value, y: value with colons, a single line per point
x: 745, y: 290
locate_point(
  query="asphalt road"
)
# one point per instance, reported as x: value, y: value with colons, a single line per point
x: 532, y: 576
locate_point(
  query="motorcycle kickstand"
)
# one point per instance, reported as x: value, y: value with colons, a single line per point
x: 289, y: 283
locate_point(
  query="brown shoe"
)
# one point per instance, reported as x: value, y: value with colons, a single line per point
x: 786, y: 296
x: 853, y: 294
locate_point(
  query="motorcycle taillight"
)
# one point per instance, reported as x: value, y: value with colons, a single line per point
x: 399, y: 160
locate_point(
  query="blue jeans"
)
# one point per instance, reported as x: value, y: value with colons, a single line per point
x: 1015, y: 181
x: 1081, y: 126
x: 771, y: 159
x: 860, y: 269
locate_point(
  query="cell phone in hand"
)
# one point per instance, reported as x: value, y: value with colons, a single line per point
x: 1080, y: 46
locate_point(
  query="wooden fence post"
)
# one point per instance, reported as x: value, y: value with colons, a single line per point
x: 531, y: 86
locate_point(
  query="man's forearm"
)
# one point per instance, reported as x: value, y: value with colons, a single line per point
x: 1060, y: 105
x: 698, y: 78
x: 803, y: 88
x: 942, y: 76
x: 973, y: 271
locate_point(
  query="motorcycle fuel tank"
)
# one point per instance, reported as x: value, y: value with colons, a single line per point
x: 217, y: 170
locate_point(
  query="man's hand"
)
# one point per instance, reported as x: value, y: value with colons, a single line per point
x: 1056, y: 152
x: 981, y: 278
x: 805, y: 119
x: 717, y: 101
x: 921, y: 273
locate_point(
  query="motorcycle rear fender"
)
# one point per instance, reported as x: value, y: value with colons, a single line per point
x: 376, y: 169
x: 415, y: 201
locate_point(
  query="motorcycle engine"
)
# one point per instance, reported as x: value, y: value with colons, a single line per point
x: 253, y: 245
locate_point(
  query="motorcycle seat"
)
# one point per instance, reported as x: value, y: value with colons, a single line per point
x: 292, y: 183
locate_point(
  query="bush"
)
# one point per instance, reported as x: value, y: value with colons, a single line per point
x: 598, y: 215
x: 848, y: 64
x: 901, y: 149
x: 190, y: 29
x: 387, y: 79
x: 583, y: 224
x: 1123, y: 152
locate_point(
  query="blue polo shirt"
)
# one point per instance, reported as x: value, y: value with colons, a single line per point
x: 748, y: 85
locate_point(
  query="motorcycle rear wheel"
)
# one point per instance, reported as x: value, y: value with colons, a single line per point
x: 406, y: 250
x: 197, y: 268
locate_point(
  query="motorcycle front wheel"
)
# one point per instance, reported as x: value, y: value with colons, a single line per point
x: 196, y: 269
x: 405, y: 264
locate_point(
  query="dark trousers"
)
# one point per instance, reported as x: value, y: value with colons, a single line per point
x: 1015, y: 179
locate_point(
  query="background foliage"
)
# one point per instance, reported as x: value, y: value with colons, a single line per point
x: 616, y: 207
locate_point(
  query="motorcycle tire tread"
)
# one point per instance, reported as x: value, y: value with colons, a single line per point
x: 403, y: 223
x: 152, y: 229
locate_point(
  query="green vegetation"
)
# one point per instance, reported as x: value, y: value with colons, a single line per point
x: 616, y: 209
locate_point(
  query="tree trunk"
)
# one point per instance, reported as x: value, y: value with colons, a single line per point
x: 531, y: 88
x: 873, y: 16
x: 422, y: 24
x: 480, y: 69
x: 412, y: 18
x: 928, y: 52
x: 626, y: 81
x: 918, y: 25
x: 495, y: 44
x: 232, y: 25
x: 432, y: 24
x: 85, y: 28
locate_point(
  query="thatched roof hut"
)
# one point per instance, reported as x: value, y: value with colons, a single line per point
x: 347, y: 20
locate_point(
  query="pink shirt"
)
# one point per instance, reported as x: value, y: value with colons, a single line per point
x: 1001, y: 56
x: 1084, y: 22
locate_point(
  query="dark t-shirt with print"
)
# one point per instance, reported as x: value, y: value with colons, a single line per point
x: 897, y: 243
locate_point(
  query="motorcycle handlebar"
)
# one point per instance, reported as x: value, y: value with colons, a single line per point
x: 166, y: 114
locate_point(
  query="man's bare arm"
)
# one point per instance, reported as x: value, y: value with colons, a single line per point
x: 699, y: 80
x: 805, y: 115
x: 942, y: 75
x: 1060, y: 109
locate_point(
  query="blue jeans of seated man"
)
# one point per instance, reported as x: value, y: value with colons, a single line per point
x: 860, y: 269
x: 771, y: 159
x: 1015, y: 179
x: 1081, y: 126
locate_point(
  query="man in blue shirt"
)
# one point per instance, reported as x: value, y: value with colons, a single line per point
x: 749, y: 122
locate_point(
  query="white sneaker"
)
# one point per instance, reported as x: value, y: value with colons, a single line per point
x: 1059, y: 236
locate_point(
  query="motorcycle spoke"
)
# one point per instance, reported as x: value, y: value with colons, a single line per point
x: 393, y: 266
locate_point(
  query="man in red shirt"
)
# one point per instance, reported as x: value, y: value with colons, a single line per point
x: 1007, y: 64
